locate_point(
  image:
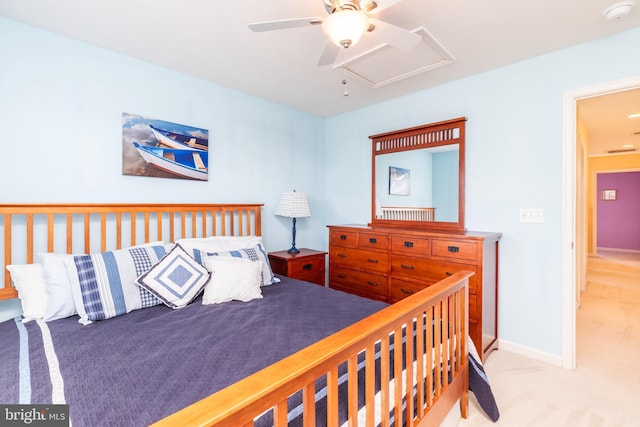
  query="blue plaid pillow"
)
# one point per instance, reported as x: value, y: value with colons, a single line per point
x: 104, y: 284
x: 176, y: 279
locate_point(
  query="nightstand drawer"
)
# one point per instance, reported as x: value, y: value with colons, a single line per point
x: 306, y: 266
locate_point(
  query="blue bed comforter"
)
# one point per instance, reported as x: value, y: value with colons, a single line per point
x: 135, y: 369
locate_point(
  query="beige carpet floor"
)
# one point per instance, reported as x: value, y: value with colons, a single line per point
x: 604, y: 389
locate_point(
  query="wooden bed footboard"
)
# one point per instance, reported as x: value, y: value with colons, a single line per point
x: 441, y: 354
x: 27, y: 229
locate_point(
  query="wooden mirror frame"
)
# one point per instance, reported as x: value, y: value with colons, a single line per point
x: 426, y: 136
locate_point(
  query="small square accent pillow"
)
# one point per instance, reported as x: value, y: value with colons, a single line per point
x: 28, y: 280
x: 232, y: 279
x: 176, y: 279
x: 254, y: 253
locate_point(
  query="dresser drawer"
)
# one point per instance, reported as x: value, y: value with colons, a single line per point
x: 455, y: 249
x: 373, y: 241
x: 343, y: 238
x: 429, y: 271
x: 361, y: 259
x: 415, y: 246
x: 358, y: 282
x: 400, y: 289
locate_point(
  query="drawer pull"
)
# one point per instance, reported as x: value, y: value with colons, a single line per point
x: 343, y: 237
x: 373, y: 240
x: 408, y: 244
x: 372, y: 283
x: 453, y: 249
x: 307, y: 266
x: 408, y: 267
x: 342, y: 276
x: 342, y: 255
x: 374, y: 261
x: 407, y: 291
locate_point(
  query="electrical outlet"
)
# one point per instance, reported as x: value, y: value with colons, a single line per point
x: 532, y: 215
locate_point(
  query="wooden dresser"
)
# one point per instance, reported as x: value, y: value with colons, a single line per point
x: 390, y: 264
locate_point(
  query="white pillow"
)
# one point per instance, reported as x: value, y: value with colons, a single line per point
x: 232, y: 279
x: 28, y: 280
x: 60, y: 302
x: 254, y: 253
x: 218, y: 243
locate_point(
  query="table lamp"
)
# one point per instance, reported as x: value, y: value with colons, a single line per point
x: 293, y: 204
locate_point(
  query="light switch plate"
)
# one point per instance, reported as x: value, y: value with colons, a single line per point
x: 532, y: 215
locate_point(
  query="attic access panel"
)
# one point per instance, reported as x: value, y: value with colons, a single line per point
x: 385, y: 64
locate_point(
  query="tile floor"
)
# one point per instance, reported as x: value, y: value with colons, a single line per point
x: 604, y: 389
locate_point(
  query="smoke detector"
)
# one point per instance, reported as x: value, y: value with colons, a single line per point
x: 618, y: 10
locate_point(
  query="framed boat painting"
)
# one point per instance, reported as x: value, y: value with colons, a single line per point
x: 162, y: 149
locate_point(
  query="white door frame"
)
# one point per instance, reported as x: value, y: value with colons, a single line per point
x: 569, y: 293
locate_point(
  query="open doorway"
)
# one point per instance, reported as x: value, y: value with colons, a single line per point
x: 575, y: 216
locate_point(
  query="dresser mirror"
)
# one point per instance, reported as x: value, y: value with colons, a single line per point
x: 418, y: 177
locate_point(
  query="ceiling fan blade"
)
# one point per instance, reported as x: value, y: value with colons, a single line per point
x: 284, y: 24
x: 382, y: 5
x: 329, y: 53
x: 395, y: 36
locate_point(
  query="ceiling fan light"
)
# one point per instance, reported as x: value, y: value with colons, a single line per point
x: 345, y: 27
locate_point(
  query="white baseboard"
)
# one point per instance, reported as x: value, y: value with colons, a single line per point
x: 552, y: 359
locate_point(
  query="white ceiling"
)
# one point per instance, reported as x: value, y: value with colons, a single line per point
x: 608, y: 127
x: 210, y: 40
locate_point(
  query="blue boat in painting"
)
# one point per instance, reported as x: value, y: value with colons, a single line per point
x: 178, y: 140
x: 184, y: 162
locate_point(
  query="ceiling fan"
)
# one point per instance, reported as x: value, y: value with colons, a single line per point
x: 346, y: 23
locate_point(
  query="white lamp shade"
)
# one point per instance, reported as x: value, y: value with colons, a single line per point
x: 293, y: 204
x: 345, y: 27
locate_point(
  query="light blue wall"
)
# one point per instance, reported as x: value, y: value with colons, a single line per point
x: 61, y: 105
x: 513, y: 160
x: 445, y: 194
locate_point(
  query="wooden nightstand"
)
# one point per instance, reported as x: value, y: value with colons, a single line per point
x: 307, y: 265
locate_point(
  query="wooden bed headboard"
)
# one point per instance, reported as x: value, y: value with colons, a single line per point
x: 28, y: 229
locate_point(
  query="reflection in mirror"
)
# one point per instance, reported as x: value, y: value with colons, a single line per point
x: 418, y: 177
x: 418, y: 185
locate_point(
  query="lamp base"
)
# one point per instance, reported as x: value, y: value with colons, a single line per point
x: 293, y: 250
